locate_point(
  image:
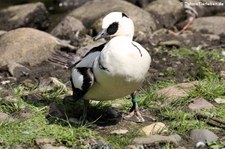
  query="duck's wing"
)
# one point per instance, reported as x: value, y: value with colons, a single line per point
x: 82, y: 77
x: 89, y: 57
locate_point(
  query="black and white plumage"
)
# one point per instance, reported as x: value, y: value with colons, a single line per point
x: 114, y: 69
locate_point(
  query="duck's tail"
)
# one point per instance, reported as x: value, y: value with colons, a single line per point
x: 64, y: 59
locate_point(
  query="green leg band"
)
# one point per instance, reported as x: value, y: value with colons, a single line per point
x: 135, y: 100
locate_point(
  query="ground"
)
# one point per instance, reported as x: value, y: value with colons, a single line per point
x: 50, y: 113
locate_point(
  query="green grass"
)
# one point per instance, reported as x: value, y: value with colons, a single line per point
x: 19, y: 131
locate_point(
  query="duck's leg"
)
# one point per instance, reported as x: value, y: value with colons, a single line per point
x: 85, y: 109
x: 134, y: 111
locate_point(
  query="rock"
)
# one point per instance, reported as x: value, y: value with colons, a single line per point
x: 154, y: 128
x: 10, y: 99
x: 17, y: 70
x: 177, y: 137
x: 200, y: 103
x: 220, y: 100
x: 88, y: 14
x: 2, y: 32
x: 119, y: 132
x: 152, y: 139
x: 68, y: 28
x: 214, y: 25
x: 167, y: 13
x: 50, y: 84
x: 95, y: 144
x: 134, y: 147
x: 203, y: 135
x: 32, y: 15
x: 140, y: 3
x: 176, y: 91
x: 27, y: 45
x: 69, y: 4
x: 49, y: 146
x: 3, y: 117
x: 41, y: 141
x: 171, y: 43
x: 186, y: 39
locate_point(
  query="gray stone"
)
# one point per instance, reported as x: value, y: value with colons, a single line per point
x: 49, y: 146
x: 41, y: 141
x: 119, y: 131
x: 27, y: 45
x: 167, y: 13
x: 134, y: 147
x: 68, y: 28
x: 17, y: 70
x: 214, y: 25
x: 28, y: 15
x: 200, y: 103
x: 203, y: 135
x: 177, y: 137
x: 88, y: 14
x: 50, y: 84
x: 152, y: 139
x: 176, y: 91
x: 220, y: 100
x: 186, y: 39
x: 2, y: 32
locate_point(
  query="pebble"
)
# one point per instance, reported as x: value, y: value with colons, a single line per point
x: 10, y: 99
x: 203, y: 135
x: 40, y: 141
x: 134, y: 147
x: 152, y: 139
x: 220, y: 100
x: 119, y: 132
x: 154, y: 128
x: 200, y: 103
x: 49, y: 146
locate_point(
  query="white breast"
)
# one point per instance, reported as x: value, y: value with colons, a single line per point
x: 127, y: 64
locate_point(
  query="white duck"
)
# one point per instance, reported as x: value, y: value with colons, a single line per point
x: 114, y: 69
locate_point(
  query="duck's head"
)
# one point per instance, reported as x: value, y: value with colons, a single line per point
x: 116, y: 24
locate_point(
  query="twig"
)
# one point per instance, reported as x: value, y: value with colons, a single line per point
x: 212, y: 120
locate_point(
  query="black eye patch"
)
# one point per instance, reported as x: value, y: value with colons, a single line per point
x: 112, y: 29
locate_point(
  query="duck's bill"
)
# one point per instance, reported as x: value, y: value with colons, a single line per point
x: 101, y: 34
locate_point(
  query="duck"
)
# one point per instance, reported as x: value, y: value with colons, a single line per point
x: 114, y: 69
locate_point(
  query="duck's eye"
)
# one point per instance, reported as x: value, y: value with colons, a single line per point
x: 112, y: 29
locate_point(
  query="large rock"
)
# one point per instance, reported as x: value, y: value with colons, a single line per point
x: 203, y: 135
x: 213, y: 25
x: 167, y: 13
x: 93, y: 10
x: 187, y: 39
x: 28, y: 15
x: 68, y: 28
x: 72, y: 30
x: 27, y: 45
